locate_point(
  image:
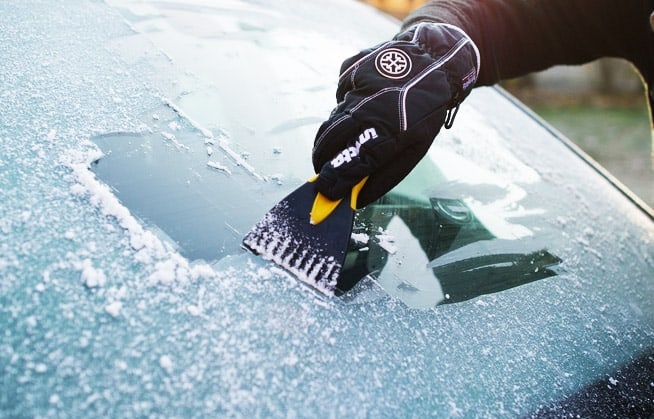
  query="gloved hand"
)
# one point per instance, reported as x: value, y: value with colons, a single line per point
x: 393, y: 100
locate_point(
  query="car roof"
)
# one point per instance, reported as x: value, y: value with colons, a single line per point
x: 134, y: 134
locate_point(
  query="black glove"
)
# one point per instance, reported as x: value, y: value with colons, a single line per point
x: 392, y: 101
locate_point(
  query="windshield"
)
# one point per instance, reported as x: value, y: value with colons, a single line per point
x: 103, y: 318
x: 497, y: 202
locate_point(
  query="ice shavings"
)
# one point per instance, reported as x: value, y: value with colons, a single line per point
x: 218, y: 166
x: 92, y: 277
x: 361, y: 238
x: 41, y: 368
x: 173, y: 140
x: 386, y: 241
x: 51, y: 135
x: 221, y: 142
x: 164, y: 272
x: 166, y: 363
x: 193, y: 310
x: 114, y: 308
x: 278, y: 178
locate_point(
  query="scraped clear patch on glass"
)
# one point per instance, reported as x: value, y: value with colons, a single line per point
x: 183, y: 183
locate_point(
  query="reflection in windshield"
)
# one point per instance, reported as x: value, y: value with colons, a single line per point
x: 470, y: 219
x: 446, y: 255
x: 405, y: 273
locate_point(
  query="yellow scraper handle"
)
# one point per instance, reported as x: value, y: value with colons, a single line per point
x: 323, y: 206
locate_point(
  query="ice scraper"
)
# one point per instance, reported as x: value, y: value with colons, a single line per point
x: 307, y: 234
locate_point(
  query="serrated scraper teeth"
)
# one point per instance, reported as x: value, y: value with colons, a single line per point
x: 312, y: 252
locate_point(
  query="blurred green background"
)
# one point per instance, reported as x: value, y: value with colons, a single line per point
x: 612, y: 127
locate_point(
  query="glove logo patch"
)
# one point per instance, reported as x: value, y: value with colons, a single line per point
x: 393, y: 63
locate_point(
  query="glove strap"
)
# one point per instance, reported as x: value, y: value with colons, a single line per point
x: 450, y: 115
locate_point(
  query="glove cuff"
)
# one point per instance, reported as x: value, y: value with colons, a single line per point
x: 436, y: 39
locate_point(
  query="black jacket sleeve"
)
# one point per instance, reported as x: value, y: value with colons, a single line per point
x: 516, y: 37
